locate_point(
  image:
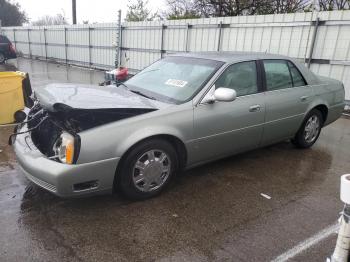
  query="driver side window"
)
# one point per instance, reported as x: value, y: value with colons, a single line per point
x: 241, y: 77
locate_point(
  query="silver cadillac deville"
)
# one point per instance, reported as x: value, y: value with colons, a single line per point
x: 180, y: 112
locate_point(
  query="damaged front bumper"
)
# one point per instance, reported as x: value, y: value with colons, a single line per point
x: 62, y: 179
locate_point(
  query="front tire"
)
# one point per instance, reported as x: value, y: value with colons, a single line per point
x: 310, y: 130
x: 147, y: 169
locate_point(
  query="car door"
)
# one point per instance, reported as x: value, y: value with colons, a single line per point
x: 287, y: 99
x: 224, y: 128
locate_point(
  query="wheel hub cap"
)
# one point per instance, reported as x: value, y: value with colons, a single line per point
x: 151, y: 170
x: 312, y: 129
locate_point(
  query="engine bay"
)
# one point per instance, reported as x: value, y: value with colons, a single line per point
x: 46, y: 126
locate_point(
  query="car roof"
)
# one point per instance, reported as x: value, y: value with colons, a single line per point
x: 4, y: 39
x: 230, y: 57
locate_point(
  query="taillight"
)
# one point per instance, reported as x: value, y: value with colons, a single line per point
x: 12, y: 48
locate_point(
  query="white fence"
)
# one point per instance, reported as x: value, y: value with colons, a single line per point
x: 324, y: 43
x: 87, y: 45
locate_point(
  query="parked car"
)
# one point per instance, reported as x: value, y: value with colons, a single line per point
x: 7, y: 50
x: 180, y: 112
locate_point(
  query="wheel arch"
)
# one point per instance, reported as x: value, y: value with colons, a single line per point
x: 176, y: 142
x: 323, y: 108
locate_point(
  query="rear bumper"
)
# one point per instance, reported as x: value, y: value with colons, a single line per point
x: 11, y: 55
x: 62, y: 179
x: 334, y: 112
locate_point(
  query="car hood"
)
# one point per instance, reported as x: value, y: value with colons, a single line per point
x: 80, y: 96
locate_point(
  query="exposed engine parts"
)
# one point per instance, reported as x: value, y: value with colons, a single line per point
x: 45, y: 126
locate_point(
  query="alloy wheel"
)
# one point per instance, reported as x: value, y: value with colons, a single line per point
x: 151, y: 170
x: 312, y: 129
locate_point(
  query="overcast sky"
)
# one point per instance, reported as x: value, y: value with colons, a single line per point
x: 94, y: 11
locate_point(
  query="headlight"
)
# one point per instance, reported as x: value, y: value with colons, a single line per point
x: 65, y: 147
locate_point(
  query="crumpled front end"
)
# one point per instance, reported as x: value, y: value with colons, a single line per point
x: 62, y: 179
x: 37, y: 140
x: 47, y: 126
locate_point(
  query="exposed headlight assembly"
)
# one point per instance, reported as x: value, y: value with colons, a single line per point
x: 66, y: 148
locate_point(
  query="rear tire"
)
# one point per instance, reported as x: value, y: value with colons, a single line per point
x: 310, y: 130
x: 2, y: 58
x: 147, y: 169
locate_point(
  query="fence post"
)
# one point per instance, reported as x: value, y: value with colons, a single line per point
x: 313, y: 40
x: 14, y: 37
x: 65, y: 44
x: 89, y: 46
x: 219, y: 38
x: 30, y: 51
x: 118, y: 54
x: 45, y: 43
x: 162, y: 41
x: 187, y: 37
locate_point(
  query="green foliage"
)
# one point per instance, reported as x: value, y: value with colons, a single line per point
x: 11, y: 14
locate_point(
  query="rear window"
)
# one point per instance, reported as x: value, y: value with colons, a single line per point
x: 277, y: 75
x: 297, y: 78
x: 4, y: 39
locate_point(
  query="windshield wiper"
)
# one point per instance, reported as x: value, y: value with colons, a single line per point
x: 142, y: 94
x: 122, y: 84
x: 148, y: 71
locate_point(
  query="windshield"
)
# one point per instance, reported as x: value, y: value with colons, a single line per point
x: 174, y: 79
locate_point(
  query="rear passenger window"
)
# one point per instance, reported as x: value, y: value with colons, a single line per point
x: 297, y: 78
x: 277, y: 75
x: 241, y: 77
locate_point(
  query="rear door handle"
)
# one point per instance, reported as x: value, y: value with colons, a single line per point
x: 254, y: 108
x: 303, y: 98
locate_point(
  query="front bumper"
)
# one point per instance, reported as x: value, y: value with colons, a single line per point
x: 62, y: 179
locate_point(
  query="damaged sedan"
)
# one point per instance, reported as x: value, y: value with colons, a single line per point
x: 180, y: 112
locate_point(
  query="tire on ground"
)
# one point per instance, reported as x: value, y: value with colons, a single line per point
x: 124, y: 176
x: 299, y: 139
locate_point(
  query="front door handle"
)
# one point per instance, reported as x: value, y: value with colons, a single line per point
x: 254, y: 108
x: 303, y: 98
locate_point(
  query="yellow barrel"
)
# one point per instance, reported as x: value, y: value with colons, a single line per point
x: 11, y: 95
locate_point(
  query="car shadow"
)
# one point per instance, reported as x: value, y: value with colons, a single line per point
x: 7, y: 67
x: 200, y: 203
x: 274, y: 168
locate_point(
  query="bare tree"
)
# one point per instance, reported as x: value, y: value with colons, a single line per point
x: 216, y: 8
x: 329, y: 5
x: 181, y: 9
x: 209, y: 8
x: 288, y: 6
x: 11, y: 14
x: 138, y: 11
x: 58, y: 19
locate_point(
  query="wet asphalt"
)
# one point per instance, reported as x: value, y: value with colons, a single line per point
x: 211, y: 213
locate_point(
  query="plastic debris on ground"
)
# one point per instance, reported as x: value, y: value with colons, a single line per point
x: 265, y: 196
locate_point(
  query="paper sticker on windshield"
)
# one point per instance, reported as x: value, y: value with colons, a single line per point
x: 175, y: 82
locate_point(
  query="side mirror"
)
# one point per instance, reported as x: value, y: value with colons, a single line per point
x: 224, y: 94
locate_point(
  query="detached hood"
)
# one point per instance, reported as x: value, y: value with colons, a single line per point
x: 79, y: 96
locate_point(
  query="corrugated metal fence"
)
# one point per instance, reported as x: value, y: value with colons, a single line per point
x: 323, y: 39
x: 86, y: 45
